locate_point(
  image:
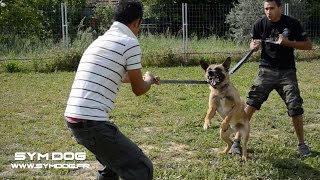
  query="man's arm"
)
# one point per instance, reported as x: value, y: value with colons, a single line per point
x: 140, y: 84
x: 302, y: 45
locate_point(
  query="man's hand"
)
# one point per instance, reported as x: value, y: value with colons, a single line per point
x: 283, y: 40
x: 255, y: 44
x: 148, y: 77
x: 140, y: 84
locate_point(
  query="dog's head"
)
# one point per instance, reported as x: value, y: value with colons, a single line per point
x: 217, y: 75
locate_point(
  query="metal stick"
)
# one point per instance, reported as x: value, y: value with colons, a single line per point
x: 182, y: 82
x: 243, y: 60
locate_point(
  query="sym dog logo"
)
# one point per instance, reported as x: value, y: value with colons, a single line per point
x: 35, y: 160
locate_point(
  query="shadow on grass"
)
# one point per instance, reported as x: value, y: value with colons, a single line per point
x: 294, y: 168
x: 314, y: 153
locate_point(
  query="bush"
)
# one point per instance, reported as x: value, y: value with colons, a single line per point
x: 242, y: 17
x: 83, y: 39
x: 11, y: 67
x: 39, y: 18
x: 43, y: 66
x: 103, y: 17
x: 69, y: 62
x: 60, y: 62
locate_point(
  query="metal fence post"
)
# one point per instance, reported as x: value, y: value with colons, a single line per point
x: 286, y: 9
x: 185, y: 31
x: 64, y: 24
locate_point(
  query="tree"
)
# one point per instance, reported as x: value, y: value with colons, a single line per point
x: 103, y: 17
x: 166, y: 14
x: 40, y: 18
x: 18, y: 18
x: 242, y: 17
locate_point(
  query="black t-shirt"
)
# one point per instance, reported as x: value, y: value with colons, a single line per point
x: 274, y: 55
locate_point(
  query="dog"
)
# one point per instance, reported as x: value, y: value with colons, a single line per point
x: 225, y: 99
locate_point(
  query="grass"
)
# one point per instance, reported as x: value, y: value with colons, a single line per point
x: 166, y: 123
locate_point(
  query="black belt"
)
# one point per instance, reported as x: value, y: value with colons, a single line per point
x: 84, y: 124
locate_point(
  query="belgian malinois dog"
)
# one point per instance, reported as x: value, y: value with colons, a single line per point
x: 225, y: 99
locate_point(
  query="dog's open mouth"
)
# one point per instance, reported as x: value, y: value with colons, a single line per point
x: 213, y: 81
x: 215, y: 77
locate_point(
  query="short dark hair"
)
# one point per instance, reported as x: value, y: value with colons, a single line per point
x: 128, y: 11
x: 278, y: 2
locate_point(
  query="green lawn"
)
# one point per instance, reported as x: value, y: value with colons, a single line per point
x: 166, y: 123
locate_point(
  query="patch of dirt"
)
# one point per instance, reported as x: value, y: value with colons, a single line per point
x: 150, y: 129
x: 216, y: 150
x: 312, y: 126
x: 88, y: 173
x: 178, y: 152
x: 174, y: 147
x: 146, y: 148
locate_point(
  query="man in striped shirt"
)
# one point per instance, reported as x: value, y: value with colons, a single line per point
x: 110, y: 60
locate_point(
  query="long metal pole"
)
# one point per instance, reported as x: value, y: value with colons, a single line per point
x: 66, y: 25
x: 185, y: 30
x: 62, y: 24
x: 186, y: 21
x: 286, y: 9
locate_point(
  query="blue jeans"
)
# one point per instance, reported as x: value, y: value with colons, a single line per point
x: 119, y: 155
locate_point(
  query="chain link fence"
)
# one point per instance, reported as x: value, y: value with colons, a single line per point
x: 203, y: 21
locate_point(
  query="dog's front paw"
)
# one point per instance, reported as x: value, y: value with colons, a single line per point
x: 244, y: 158
x: 206, y: 125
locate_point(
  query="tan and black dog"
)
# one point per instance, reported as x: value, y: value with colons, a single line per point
x: 225, y: 99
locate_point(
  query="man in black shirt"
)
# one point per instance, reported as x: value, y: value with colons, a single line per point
x: 278, y: 35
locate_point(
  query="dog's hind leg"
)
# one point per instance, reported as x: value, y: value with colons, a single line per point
x: 225, y: 136
x: 245, y: 131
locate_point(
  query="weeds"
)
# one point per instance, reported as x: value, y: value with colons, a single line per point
x: 11, y: 66
x: 157, y: 51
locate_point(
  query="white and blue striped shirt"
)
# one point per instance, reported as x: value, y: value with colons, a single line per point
x: 99, y: 75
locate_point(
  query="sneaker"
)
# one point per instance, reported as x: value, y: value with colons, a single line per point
x: 304, y: 150
x: 236, y: 148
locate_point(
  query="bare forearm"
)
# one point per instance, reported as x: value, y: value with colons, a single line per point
x: 302, y: 45
x: 145, y: 87
x: 141, y: 84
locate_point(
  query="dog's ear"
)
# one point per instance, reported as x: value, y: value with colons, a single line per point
x: 226, y: 64
x: 204, y: 65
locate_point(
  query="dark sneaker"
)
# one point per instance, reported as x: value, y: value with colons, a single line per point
x: 236, y: 148
x: 304, y: 150
x: 106, y: 173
